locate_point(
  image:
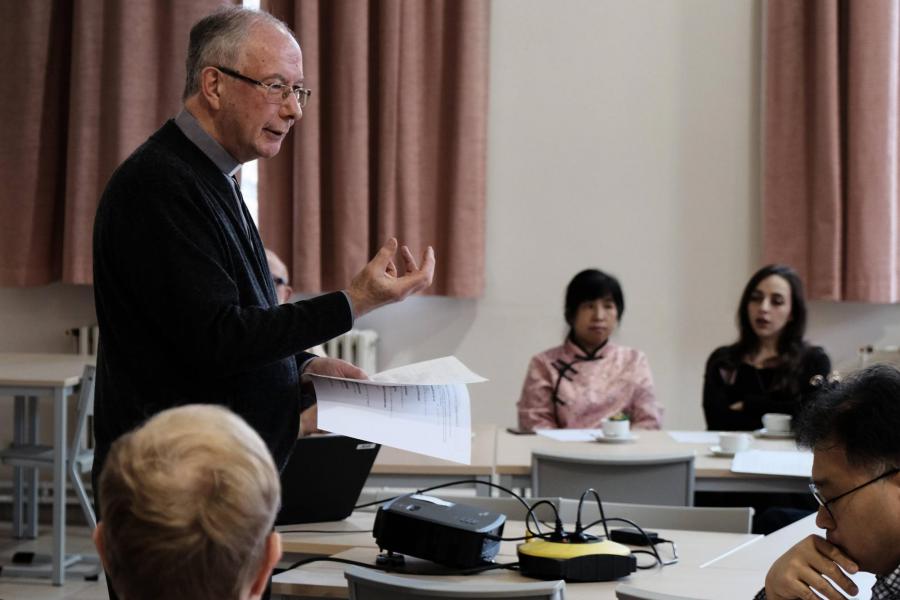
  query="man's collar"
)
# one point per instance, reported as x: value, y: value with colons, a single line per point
x: 887, y: 587
x: 190, y: 127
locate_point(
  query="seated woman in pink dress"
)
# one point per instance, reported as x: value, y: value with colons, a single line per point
x: 588, y: 378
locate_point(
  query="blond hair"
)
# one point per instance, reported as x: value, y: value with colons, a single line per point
x: 187, y: 502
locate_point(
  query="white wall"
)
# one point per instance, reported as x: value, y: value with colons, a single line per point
x: 623, y: 135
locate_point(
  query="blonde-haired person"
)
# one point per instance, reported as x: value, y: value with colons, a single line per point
x: 187, y: 503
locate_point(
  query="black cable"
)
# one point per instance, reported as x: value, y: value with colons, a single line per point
x: 392, y: 569
x: 578, y: 528
x: 556, y: 535
x: 476, y: 481
x: 650, y: 543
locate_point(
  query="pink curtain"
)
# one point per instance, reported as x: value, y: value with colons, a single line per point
x: 831, y: 203
x: 86, y: 81
x: 393, y: 142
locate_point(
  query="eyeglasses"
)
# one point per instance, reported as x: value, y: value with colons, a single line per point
x: 824, y: 503
x: 276, y: 93
x: 279, y: 281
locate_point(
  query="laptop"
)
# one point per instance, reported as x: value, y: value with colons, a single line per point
x: 323, y: 478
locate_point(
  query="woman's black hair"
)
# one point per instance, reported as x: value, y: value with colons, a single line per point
x: 589, y: 285
x: 790, y: 342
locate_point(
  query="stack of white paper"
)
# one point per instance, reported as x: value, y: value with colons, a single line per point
x: 771, y: 462
x: 423, y: 408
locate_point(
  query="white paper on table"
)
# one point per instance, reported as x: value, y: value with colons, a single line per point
x: 773, y: 462
x: 404, y: 412
x: 439, y: 371
x: 695, y: 437
x: 570, y: 435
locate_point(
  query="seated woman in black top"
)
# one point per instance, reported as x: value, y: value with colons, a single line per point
x: 768, y: 370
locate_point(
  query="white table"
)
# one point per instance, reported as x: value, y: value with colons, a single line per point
x: 326, y: 579
x: 27, y: 377
x: 713, y: 474
x: 402, y: 469
x: 739, y: 573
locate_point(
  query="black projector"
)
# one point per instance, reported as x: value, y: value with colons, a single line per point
x: 447, y: 533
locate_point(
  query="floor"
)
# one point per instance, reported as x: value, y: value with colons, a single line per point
x: 77, y: 541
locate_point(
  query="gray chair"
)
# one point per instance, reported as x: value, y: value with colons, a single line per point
x: 79, y: 460
x: 368, y: 584
x: 661, y: 479
x: 689, y: 518
x: 633, y: 592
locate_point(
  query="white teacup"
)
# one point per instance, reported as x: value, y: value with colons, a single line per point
x: 777, y: 422
x: 616, y: 429
x: 734, y: 441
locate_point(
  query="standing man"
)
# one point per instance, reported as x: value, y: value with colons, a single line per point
x: 853, y: 432
x: 185, y: 302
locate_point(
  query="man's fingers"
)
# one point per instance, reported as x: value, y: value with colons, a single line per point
x: 428, y: 265
x: 391, y: 269
x: 409, y: 262
x: 385, y: 255
x: 834, y: 553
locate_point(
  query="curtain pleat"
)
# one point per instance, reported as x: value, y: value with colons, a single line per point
x: 393, y: 142
x: 88, y: 81
x: 830, y: 157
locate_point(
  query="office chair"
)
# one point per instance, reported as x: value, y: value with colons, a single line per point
x: 368, y: 584
x: 664, y: 479
x: 79, y: 458
x: 648, y: 516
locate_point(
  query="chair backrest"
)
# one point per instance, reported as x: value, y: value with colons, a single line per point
x: 661, y: 479
x: 368, y: 584
x: 84, y: 409
x: 648, y: 516
x: 634, y: 592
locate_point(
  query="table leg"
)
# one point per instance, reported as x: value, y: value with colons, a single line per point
x: 18, y: 474
x: 31, y: 525
x: 59, y: 484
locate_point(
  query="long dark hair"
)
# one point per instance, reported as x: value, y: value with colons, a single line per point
x: 790, y: 341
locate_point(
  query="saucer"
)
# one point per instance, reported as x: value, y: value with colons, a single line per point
x: 773, y: 435
x: 615, y: 440
x: 717, y: 451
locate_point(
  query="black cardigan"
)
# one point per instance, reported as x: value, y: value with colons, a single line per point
x: 758, y: 389
x: 186, y: 305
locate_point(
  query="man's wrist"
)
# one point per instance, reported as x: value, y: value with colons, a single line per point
x: 349, y: 298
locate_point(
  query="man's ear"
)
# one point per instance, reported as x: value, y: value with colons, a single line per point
x: 97, y: 536
x: 210, y: 86
x: 270, y: 558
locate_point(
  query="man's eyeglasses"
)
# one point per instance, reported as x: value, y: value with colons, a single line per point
x: 276, y: 93
x: 825, y: 503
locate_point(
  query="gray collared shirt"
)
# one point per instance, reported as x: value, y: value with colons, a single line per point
x: 190, y: 127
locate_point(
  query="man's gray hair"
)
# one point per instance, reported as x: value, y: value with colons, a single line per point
x: 217, y: 39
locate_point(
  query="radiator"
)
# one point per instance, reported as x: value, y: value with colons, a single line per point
x: 86, y: 337
x: 357, y: 346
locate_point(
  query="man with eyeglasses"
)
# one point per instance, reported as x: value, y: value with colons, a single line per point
x: 853, y: 429
x: 186, y: 304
